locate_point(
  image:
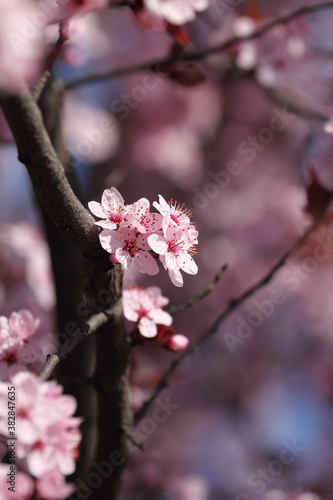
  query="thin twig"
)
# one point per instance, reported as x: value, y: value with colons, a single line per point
x: 293, y: 106
x: 50, y: 61
x: 91, y: 326
x: 283, y: 100
x: 194, y: 56
x: 55, y: 52
x: 134, y: 440
x: 201, y: 295
x: 234, y: 303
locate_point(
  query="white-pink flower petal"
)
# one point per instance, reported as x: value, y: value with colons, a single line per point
x: 187, y: 264
x: 176, y: 277
x: 97, y: 209
x: 145, y: 263
x: 147, y: 328
x: 158, y: 244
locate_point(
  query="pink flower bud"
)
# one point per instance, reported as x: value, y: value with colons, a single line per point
x: 178, y: 343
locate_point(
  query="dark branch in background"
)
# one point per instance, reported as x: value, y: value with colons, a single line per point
x: 292, y: 106
x: 50, y: 62
x: 55, y: 52
x: 47, y: 173
x: 201, y: 295
x: 195, y: 56
x: 281, y: 98
x: 91, y: 326
x: 234, y: 303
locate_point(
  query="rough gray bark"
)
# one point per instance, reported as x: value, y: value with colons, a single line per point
x: 35, y: 150
x: 65, y: 258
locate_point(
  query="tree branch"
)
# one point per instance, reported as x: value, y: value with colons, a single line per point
x: 294, y: 107
x: 234, y: 303
x: 97, y: 275
x: 201, y: 295
x: 50, y: 62
x: 195, y: 56
x: 47, y: 173
x: 91, y: 326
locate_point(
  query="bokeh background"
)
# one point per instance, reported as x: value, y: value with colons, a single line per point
x: 264, y: 383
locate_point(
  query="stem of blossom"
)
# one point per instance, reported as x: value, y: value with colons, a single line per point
x: 294, y: 107
x: 234, y: 303
x: 55, y: 52
x: 50, y: 61
x: 195, y: 56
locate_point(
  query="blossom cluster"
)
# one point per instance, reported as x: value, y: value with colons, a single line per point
x: 143, y: 306
x: 18, y: 351
x: 47, y: 435
x: 131, y: 233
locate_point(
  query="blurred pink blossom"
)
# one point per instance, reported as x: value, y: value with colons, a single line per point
x: 17, y: 351
x: 47, y: 433
x: 92, y: 133
x: 52, y: 486
x: 24, y: 485
x: 176, y: 11
x: 21, y: 44
x: 144, y: 307
x: 178, y: 342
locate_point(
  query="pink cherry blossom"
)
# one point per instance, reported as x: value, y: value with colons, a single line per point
x: 47, y: 433
x: 82, y: 120
x: 166, y: 338
x: 23, y: 324
x: 143, y: 306
x: 174, y: 211
x: 52, y: 486
x: 176, y: 11
x: 128, y: 246
x: 144, y: 221
x: 25, y: 269
x: 24, y: 485
x: 53, y: 450
x: 175, y: 249
x: 178, y: 342
x: 18, y: 351
x: 113, y: 211
x: 21, y: 44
